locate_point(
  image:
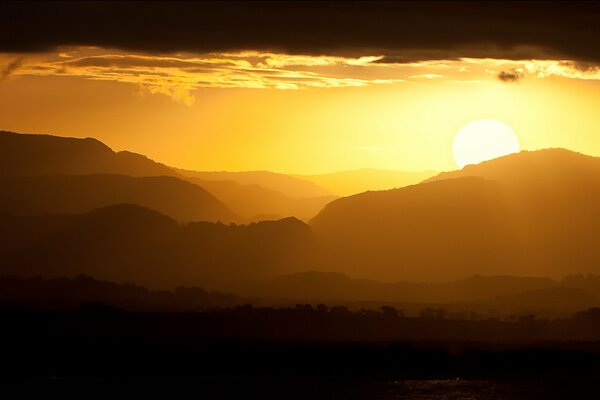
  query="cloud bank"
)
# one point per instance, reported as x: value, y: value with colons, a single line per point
x: 401, y: 31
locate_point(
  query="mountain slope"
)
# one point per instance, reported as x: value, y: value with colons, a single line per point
x: 128, y: 243
x: 286, y: 184
x: 26, y: 155
x: 31, y: 155
x: 69, y: 194
x: 254, y: 202
x: 347, y: 183
x: 532, y: 213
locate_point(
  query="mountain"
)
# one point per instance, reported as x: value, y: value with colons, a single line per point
x: 71, y: 194
x: 347, y: 183
x: 255, y: 202
x: 31, y: 155
x: 531, y: 213
x: 286, y: 184
x: 129, y: 243
x: 27, y: 155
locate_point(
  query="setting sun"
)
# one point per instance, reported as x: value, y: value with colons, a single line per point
x: 483, y: 140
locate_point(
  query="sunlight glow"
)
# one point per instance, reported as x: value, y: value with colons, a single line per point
x: 483, y: 140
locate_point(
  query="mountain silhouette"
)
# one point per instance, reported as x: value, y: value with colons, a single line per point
x: 31, y: 155
x: 72, y: 194
x: 288, y: 185
x: 129, y: 243
x: 347, y: 183
x: 531, y: 213
x: 254, y: 202
x: 28, y: 155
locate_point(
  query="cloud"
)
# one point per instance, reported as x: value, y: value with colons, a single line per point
x: 562, y: 68
x: 426, y: 76
x: 10, y: 68
x: 402, y: 32
x: 514, y: 75
x: 177, y: 76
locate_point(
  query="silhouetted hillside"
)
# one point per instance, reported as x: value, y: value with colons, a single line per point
x: 71, y: 194
x: 347, y: 183
x: 286, y: 184
x: 31, y: 155
x: 484, y: 295
x: 254, y: 202
x: 128, y: 243
x: 328, y: 286
x: 82, y: 291
x: 26, y: 155
x: 532, y: 213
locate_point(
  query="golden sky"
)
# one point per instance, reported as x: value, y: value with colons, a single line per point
x: 294, y: 114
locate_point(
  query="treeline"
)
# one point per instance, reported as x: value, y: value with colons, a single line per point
x: 303, y: 322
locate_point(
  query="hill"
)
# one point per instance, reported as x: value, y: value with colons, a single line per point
x: 255, y: 202
x: 129, y: 243
x: 85, y: 292
x: 286, y: 184
x: 532, y: 213
x: 28, y: 155
x: 346, y: 183
x: 72, y: 194
x: 31, y: 155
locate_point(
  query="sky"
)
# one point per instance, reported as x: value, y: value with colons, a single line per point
x: 297, y: 88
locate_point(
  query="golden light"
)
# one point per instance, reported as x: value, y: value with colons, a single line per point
x: 483, y: 140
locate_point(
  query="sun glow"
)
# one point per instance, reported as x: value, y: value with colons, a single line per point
x: 483, y: 140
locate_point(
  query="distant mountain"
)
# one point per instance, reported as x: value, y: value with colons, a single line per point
x: 71, y: 194
x: 27, y: 155
x: 347, y: 183
x: 254, y: 202
x: 129, y: 243
x: 31, y: 155
x: 532, y: 213
x: 286, y: 184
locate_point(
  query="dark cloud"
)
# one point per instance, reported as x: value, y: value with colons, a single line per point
x: 402, y: 31
x: 10, y: 68
x: 514, y: 75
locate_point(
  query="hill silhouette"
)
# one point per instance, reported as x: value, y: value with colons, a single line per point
x: 129, y: 243
x: 28, y: 155
x: 347, y: 183
x: 532, y: 213
x: 72, y: 194
x: 255, y: 202
x: 85, y: 291
x: 487, y: 295
x: 288, y: 185
x: 31, y: 155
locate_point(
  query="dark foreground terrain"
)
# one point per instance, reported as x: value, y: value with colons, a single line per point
x: 287, y: 354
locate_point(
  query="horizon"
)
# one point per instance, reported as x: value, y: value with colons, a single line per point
x: 333, y: 172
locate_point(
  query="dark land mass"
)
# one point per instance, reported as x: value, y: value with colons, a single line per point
x: 529, y: 214
x: 33, y: 161
x: 129, y: 243
x: 298, y: 353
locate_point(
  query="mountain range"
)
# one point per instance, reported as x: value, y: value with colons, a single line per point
x: 532, y: 213
x: 73, y: 206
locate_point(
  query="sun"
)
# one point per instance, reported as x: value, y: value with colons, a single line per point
x: 483, y: 140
